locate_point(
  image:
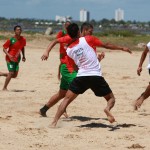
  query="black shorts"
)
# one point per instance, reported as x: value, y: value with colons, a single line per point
x: 149, y: 71
x: 96, y: 83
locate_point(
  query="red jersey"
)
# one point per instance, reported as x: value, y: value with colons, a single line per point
x: 14, y: 47
x: 91, y: 40
x: 62, y: 45
x: 65, y: 59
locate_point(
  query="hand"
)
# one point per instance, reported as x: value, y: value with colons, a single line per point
x: 45, y: 56
x: 126, y: 50
x: 139, y: 70
x: 101, y: 56
x: 23, y: 59
x: 12, y: 58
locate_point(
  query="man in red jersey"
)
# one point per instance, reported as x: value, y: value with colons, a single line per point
x: 12, y: 48
x: 89, y: 75
x: 62, y: 50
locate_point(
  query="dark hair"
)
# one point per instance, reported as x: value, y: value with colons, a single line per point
x: 67, y: 22
x: 17, y: 26
x: 86, y: 26
x: 73, y: 30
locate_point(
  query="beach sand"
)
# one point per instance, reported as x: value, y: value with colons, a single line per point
x: 22, y: 128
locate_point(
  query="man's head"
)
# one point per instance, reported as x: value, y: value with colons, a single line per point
x: 66, y: 24
x: 86, y: 29
x: 73, y: 30
x: 17, y: 30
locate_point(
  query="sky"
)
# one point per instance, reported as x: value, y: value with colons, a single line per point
x: 138, y: 10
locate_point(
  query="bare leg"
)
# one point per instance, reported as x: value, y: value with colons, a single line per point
x: 52, y: 101
x: 8, y: 78
x: 70, y: 96
x: 141, y: 99
x: 4, y: 74
x: 110, y: 103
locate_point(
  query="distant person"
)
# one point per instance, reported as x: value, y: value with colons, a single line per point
x: 89, y: 74
x: 12, y: 48
x: 146, y: 93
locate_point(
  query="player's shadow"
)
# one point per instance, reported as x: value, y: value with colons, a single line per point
x: 22, y: 91
x: 81, y: 118
x: 111, y: 127
x: 144, y: 114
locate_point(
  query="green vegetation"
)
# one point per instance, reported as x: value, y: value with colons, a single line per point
x: 124, y: 38
x: 129, y: 33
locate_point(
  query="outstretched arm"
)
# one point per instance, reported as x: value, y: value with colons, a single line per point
x: 115, y: 47
x: 49, y: 48
x: 143, y: 56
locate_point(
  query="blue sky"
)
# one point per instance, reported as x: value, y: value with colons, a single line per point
x: 138, y: 10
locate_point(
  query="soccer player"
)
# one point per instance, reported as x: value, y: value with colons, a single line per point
x: 12, y: 48
x: 89, y: 71
x: 67, y: 68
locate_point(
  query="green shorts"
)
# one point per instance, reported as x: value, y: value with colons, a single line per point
x: 13, y: 66
x: 67, y: 77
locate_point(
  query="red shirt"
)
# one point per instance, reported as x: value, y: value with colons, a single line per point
x: 62, y: 49
x: 91, y: 40
x: 14, y: 47
x: 65, y: 59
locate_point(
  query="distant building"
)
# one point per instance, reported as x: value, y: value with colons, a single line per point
x: 84, y: 15
x: 119, y: 14
x: 63, y: 18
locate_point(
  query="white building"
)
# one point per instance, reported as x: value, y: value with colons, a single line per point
x: 62, y: 18
x: 84, y: 15
x: 119, y: 14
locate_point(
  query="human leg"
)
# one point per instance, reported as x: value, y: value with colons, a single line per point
x: 52, y: 101
x: 13, y: 68
x: 70, y: 96
x: 101, y: 88
x: 110, y: 104
x: 66, y: 79
x: 140, y: 100
x: 7, y: 80
x: 3, y: 74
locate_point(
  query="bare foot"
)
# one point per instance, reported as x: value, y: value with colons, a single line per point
x: 110, y: 117
x: 138, y: 104
x: 5, y: 89
x: 53, y: 125
x: 134, y: 105
x: 65, y: 114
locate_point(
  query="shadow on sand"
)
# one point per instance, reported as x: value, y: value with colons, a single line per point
x: 22, y: 91
x: 99, y: 125
x: 111, y: 127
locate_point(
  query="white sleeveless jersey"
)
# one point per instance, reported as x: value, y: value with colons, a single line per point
x: 148, y: 45
x: 85, y: 58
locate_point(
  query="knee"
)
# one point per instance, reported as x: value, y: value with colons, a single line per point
x: 14, y: 75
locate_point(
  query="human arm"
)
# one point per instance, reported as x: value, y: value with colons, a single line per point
x: 12, y: 58
x: 95, y: 42
x: 65, y: 39
x: 115, y: 47
x: 23, y: 55
x: 49, y: 48
x: 143, y: 56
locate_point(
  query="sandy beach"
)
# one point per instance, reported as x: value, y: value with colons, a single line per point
x: 22, y: 128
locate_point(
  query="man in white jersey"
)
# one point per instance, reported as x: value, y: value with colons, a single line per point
x: 89, y: 75
x: 146, y: 93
